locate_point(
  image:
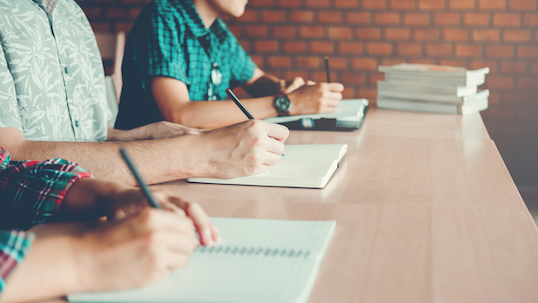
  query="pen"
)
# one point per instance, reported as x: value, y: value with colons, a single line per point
x: 239, y: 104
x: 145, y: 189
x: 326, y: 58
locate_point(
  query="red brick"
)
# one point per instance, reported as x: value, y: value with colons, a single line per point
x: 456, y: 34
x: 468, y: 50
x: 365, y: 64
x: 501, y: 113
x: 448, y: 62
x: 379, y: 48
x: 527, y: 51
x: 517, y: 35
x: 322, y: 77
x: 258, y: 60
x: 368, y: 33
x: 274, y: 16
x: 317, y: 3
x: 261, y: 3
x: 480, y: 19
x: 245, y: 44
x: 461, y: 4
x: 302, y: 16
x: 266, y: 46
x: 409, y: 49
x: 391, y: 61
x: 339, y: 32
x: 477, y: 64
x: 351, y: 48
x: 534, y: 68
x: 397, y: 33
x: 446, y: 18
x: 294, y: 47
x: 123, y: 27
x: 514, y: 98
x: 257, y: 30
x: 527, y: 82
x: 92, y: 12
x: 358, y: 18
x: 499, y: 51
x: 506, y: 20
x: 439, y: 50
x: 431, y: 4
x: 522, y: 4
x: 492, y: 4
x: 387, y: 18
x: 402, y: 4
x: 289, y: 3
x: 236, y: 29
x: 353, y: 78
x: 486, y: 35
x: 416, y: 19
x: 308, y: 62
x: 330, y: 17
x: 514, y: 67
x: 249, y: 16
x: 374, y: 4
x: 279, y: 61
x: 100, y: 26
x: 349, y: 93
x: 293, y: 74
x: 134, y: 12
x: 346, y: 3
x: 318, y: 47
x: 367, y: 93
x: 376, y: 77
x: 311, y: 31
x: 339, y: 63
x: 500, y: 82
x: 115, y: 13
x: 531, y: 19
x: 426, y: 34
x: 284, y: 31
x: 494, y: 98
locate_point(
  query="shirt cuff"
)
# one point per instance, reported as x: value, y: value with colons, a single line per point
x: 14, y: 246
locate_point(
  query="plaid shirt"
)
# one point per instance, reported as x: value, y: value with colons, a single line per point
x: 31, y: 192
x: 164, y: 41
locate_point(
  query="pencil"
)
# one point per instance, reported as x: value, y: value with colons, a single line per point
x: 239, y: 104
x: 145, y: 189
x: 326, y: 58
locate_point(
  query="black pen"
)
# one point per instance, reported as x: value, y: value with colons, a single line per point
x: 239, y: 104
x: 145, y: 189
x: 326, y: 58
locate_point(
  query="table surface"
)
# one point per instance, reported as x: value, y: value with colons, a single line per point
x: 426, y: 211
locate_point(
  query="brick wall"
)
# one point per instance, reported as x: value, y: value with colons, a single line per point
x: 289, y: 37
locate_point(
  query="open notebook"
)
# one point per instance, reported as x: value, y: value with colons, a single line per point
x: 258, y: 261
x: 306, y: 165
x: 348, y: 116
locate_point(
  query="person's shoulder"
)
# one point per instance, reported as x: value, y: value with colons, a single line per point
x: 165, y: 9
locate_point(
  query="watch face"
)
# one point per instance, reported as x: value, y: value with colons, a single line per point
x: 282, y: 103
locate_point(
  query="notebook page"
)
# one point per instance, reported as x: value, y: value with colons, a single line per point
x: 283, y: 270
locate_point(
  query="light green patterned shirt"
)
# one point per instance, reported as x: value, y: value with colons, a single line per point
x: 51, y: 74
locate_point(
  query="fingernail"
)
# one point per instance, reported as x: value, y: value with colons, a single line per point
x: 207, y: 238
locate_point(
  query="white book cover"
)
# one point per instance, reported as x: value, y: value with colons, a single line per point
x: 438, y: 74
x: 434, y: 98
x: 472, y: 106
x: 258, y: 261
x: 419, y: 88
x: 305, y: 165
x: 348, y: 109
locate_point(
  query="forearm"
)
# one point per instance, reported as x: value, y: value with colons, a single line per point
x: 158, y: 160
x: 216, y: 114
x: 265, y: 85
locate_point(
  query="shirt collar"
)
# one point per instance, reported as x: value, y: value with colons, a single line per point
x: 194, y: 22
x: 47, y: 5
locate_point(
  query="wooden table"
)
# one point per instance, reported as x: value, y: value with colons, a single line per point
x: 426, y: 211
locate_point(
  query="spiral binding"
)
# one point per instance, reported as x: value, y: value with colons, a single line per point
x: 253, y: 251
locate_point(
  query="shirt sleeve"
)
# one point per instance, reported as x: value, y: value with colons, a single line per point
x: 14, y: 246
x: 242, y: 66
x: 9, y: 109
x: 164, y: 49
x: 32, y: 192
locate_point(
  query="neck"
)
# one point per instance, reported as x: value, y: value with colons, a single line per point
x: 207, y: 13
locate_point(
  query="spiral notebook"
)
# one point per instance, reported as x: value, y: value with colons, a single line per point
x: 258, y: 261
x: 306, y: 165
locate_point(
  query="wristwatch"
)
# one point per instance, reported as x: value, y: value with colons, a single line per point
x: 282, y: 105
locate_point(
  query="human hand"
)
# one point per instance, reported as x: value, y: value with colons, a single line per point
x: 128, y: 201
x: 287, y: 87
x: 134, y: 251
x: 314, y: 98
x: 245, y: 148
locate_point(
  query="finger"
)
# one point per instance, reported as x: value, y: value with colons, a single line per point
x: 272, y: 159
x: 170, y: 206
x: 202, y: 223
x: 277, y: 131
x: 216, y: 233
x: 184, y: 243
x: 310, y: 82
x: 274, y: 146
x: 335, y: 87
x: 331, y: 102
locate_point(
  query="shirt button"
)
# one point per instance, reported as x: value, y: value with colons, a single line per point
x: 66, y: 70
x: 76, y: 123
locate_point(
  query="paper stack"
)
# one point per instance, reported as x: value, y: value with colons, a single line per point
x: 432, y: 88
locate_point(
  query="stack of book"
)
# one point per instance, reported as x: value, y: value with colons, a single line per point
x: 432, y: 88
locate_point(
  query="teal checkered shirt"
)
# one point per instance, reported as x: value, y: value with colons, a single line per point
x: 164, y: 41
